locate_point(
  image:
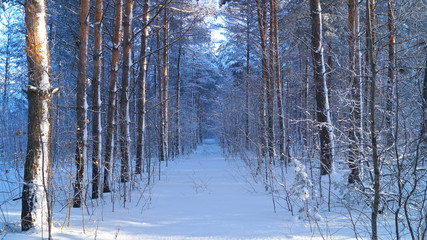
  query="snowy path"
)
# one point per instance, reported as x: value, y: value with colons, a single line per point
x: 204, y: 196
x: 201, y: 196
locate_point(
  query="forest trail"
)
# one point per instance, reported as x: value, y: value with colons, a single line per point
x: 204, y: 196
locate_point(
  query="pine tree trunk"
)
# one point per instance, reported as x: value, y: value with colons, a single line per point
x: 278, y: 82
x: 35, y: 192
x: 322, y: 101
x: 160, y: 96
x: 142, y: 79
x: 391, y: 75
x: 82, y: 75
x: 270, y: 89
x: 248, y: 53
x: 261, y: 12
x: 307, y: 112
x: 375, y: 158
x: 178, y: 100
x: 96, y: 102
x: 288, y: 135
x: 114, y: 74
x: 165, y: 122
x: 354, y: 133
x: 124, y: 96
x: 424, y: 105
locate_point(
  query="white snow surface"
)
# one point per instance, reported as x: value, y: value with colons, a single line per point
x: 200, y: 196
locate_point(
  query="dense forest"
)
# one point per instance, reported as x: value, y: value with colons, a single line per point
x: 325, y: 102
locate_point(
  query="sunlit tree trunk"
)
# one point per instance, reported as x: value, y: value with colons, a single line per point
x: 96, y: 102
x: 322, y: 101
x: 114, y: 74
x: 35, y: 192
x: 124, y: 96
x: 82, y: 76
x: 142, y: 79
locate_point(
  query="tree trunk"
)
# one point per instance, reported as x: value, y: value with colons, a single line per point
x: 375, y: 158
x: 82, y: 75
x: 354, y: 133
x: 270, y: 89
x: 322, y: 101
x: 142, y: 79
x: 288, y: 135
x: 178, y: 100
x: 35, y: 193
x: 96, y: 92
x: 6, y: 74
x: 391, y: 76
x: 114, y: 74
x: 248, y: 53
x: 261, y: 12
x: 124, y: 96
x: 165, y: 122
x: 160, y: 87
x: 307, y: 112
x: 278, y: 81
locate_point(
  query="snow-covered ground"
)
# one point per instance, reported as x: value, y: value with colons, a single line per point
x: 200, y: 196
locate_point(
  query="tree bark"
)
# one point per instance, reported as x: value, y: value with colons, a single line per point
x: 278, y: 82
x: 354, y: 133
x: 270, y: 89
x: 375, y: 158
x: 124, y: 96
x: 261, y: 12
x: 35, y: 193
x: 165, y: 79
x: 160, y: 87
x: 248, y: 54
x: 322, y: 101
x: 114, y: 73
x: 391, y: 75
x: 178, y: 100
x: 142, y: 79
x: 98, y: 68
x: 82, y: 76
